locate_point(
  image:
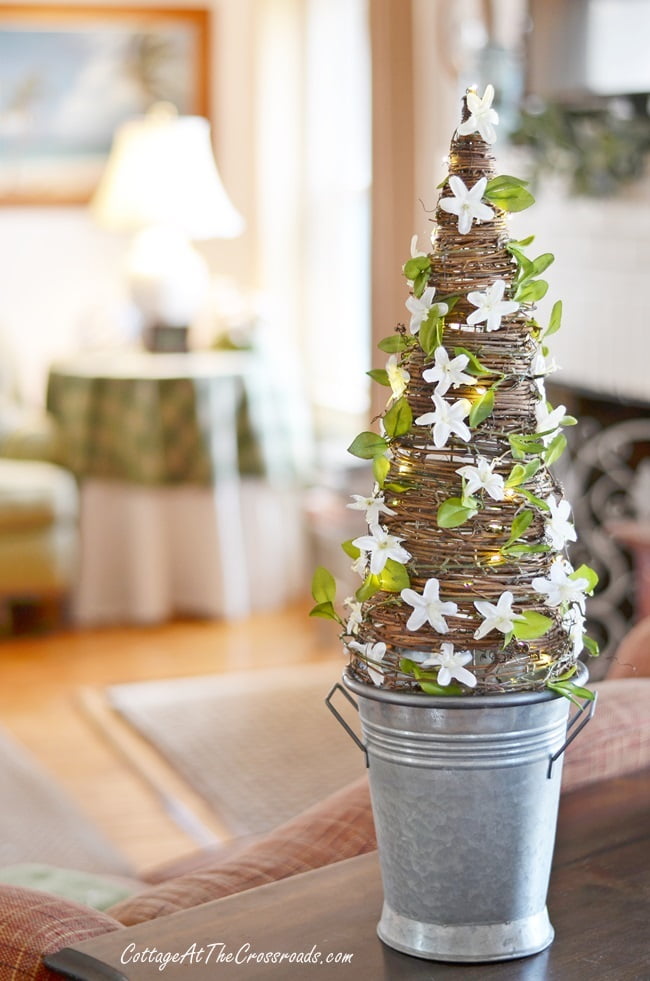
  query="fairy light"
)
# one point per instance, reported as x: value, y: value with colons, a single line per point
x: 496, y: 559
x: 479, y: 390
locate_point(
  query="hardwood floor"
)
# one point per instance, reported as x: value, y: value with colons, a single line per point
x: 40, y: 704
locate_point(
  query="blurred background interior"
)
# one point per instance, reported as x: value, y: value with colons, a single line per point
x: 203, y: 218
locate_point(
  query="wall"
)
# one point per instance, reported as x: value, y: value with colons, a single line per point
x: 60, y: 284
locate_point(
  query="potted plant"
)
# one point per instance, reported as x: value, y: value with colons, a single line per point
x: 465, y: 632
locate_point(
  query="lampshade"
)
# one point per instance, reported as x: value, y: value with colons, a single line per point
x: 161, y: 171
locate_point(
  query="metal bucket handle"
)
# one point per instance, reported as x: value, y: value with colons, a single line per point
x: 339, y: 718
x: 588, y: 702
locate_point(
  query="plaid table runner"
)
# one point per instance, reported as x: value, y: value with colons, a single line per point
x: 152, y: 419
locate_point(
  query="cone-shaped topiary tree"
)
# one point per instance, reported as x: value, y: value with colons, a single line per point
x: 466, y: 584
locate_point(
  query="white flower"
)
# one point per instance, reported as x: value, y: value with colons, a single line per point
x: 539, y: 368
x: 559, y: 588
x: 557, y: 527
x: 381, y: 546
x: 573, y: 622
x: 373, y: 506
x: 446, y: 419
x: 482, y: 475
x: 398, y: 377
x: 360, y: 565
x: 466, y: 203
x: 483, y: 117
x: 491, y: 306
x: 500, y: 617
x: 451, y: 665
x: 372, y: 652
x: 420, y: 308
x: 356, y: 616
x: 548, y: 420
x: 428, y: 607
x: 448, y: 373
x: 415, y: 253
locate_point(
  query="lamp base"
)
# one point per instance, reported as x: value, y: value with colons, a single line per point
x: 163, y: 339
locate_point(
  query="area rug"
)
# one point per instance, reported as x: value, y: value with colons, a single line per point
x: 40, y: 823
x: 258, y: 747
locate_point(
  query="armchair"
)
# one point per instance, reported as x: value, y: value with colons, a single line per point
x: 33, y: 924
x: 38, y: 509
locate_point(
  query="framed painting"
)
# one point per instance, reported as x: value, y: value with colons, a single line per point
x: 69, y: 75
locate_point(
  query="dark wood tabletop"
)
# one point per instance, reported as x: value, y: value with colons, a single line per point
x: 599, y: 903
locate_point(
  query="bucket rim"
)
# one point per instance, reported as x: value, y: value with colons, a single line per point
x: 421, y: 699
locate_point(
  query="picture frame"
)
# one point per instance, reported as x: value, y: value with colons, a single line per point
x: 69, y: 75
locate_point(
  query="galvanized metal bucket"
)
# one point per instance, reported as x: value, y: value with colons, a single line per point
x: 465, y: 795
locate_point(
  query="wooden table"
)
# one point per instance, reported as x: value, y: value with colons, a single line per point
x: 599, y: 903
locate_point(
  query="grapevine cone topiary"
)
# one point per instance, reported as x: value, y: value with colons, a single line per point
x: 466, y: 586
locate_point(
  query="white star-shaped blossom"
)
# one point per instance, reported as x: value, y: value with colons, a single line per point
x: 548, y: 420
x: 540, y: 368
x: 360, y: 565
x: 559, y: 588
x: 373, y: 506
x: 398, y: 377
x: 356, y: 616
x: 451, y: 665
x: 428, y: 607
x: 558, y: 529
x: 446, y: 419
x: 381, y: 546
x: 482, y: 475
x: 372, y: 652
x: 448, y: 373
x: 499, y: 616
x: 491, y: 306
x: 420, y: 308
x: 466, y: 203
x: 573, y: 622
x: 483, y: 118
x: 415, y: 252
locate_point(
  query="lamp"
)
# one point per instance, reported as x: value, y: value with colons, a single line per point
x: 162, y: 185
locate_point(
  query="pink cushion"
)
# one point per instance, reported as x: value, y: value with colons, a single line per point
x: 34, y: 923
x: 617, y: 740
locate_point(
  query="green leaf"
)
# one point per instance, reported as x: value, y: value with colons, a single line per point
x: 413, y: 267
x: 474, y: 367
x: 481, y: 409
x: 523, y: 242
x: 368, y: 588
x: 326, y: 611
x: 555, y: 322
x: 537, y: 501
x: 532, y: 627
x: 367, y: 446
x: 380, y: 468
x: 516, y: 550
x: 586, y: 572
x: 555, y: 449
x: 542, y: 262
x: 571, y: 691
x: 430, y: 335
x: 323, y: 585
x: 591, y: 645
x: 453, y: 512
x: 520, y: 524
x: 521, y: 472
x: 379, y: 375
x: 531, y: 290
x: 399, y: 418
x: 420, y: 283
x: 522, y: 445
x: 352, y: 550
x: 394, y: 343
x: 394, y: 578
x: 508, y: 193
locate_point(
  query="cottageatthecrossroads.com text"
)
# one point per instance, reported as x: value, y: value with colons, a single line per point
x: 219, y: 953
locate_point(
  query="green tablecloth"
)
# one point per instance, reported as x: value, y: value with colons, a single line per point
x: 159, y: 419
